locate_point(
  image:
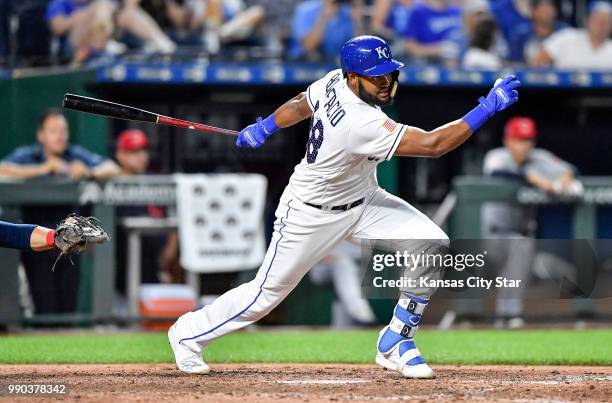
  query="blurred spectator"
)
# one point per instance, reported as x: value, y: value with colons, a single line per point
x: 159, y: 253
x: 511, y: 16
x: 53, y: 292
x: 537, y: 166
x: 527, y: 38
x: 217, y: 22
x: 589, y: 48
x: 53, y: 155
x: 434, y: 32
x: 90, y: 28
x: 320, y: 28
x: 475, y: 11
x: 341, y: 269
x: 132, y: 152
x: 4, y: 15
x: 390, y: 18
x: 481, y: 54
x: 275, y: 27
x: 508, y: 229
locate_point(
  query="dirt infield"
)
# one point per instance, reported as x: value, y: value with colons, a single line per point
x: 312, y: 383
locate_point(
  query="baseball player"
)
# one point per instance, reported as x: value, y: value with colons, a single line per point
x: 333, y: 194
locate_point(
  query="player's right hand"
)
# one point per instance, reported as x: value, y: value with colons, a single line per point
x: 502, y: 95
x: 253, y: 136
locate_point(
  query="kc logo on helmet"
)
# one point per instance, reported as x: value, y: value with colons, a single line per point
x: 383, y: 52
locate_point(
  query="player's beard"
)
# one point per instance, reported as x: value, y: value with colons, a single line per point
x: 372, y: 99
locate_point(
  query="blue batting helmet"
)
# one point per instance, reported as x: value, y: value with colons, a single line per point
x: 368, y: 55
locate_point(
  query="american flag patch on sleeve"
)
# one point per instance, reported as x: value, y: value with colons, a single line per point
x: 390, y: 125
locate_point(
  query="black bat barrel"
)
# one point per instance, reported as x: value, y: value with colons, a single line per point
x: 104, y: 108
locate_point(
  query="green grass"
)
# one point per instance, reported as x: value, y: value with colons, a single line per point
x: 592, y: 347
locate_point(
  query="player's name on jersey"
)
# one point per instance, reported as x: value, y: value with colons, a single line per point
x: 428, y: 282
x: 332, y: 106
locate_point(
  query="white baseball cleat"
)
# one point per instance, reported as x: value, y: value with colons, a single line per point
x: 187, y: 360
x: 403, y: 357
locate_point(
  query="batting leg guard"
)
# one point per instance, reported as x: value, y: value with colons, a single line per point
x: 396, y: 347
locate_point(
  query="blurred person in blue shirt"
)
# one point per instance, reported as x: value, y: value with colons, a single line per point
x: 320, y: 28
x: 390, y: 18
x: 511, y: 16
x: 527, y: 38
x: 53, y: 155
x: 434, y: 32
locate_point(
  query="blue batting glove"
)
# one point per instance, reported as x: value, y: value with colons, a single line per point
x: 255, y: 135
x: 502, y: 95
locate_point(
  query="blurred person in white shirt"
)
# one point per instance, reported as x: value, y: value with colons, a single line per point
x: 589, y: 48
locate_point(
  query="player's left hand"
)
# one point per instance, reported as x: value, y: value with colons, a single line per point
x: 74, y: 232
x: 502, y: 95
x: 253, y: 136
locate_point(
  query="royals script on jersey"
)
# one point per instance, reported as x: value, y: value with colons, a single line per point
x: 347, y: 140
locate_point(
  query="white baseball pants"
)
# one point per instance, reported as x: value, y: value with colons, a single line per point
x: 303, y: 235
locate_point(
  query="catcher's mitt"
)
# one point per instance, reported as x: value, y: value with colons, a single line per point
x: 74, y: 232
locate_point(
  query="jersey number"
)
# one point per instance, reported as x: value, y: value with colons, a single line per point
x: 315, y: 139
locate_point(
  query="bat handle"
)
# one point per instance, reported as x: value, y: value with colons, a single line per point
x: 165, y: 120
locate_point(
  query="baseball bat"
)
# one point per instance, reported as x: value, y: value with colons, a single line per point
x: 101, y: 107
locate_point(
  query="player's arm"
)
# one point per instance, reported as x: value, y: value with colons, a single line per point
x: 61, y: 24
x: 23, y: 171
x: 419, y: 50
x: 42, y: 238
x: 542, y: 59
x: 25, y: 236
x: 420, y: 143
x: 19, y: 165
x: 106, y: 170
x: 565, y: 184
x: 416, y: 142
x: 291, y: 112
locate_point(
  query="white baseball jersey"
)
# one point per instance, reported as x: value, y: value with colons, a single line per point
x: 347, y: 140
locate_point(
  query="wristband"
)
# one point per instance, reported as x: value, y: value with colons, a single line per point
x: 51, y: 239
x: 476, y: 117
x: 269, y: 125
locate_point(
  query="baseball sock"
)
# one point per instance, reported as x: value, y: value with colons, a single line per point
x: 403, y: 326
